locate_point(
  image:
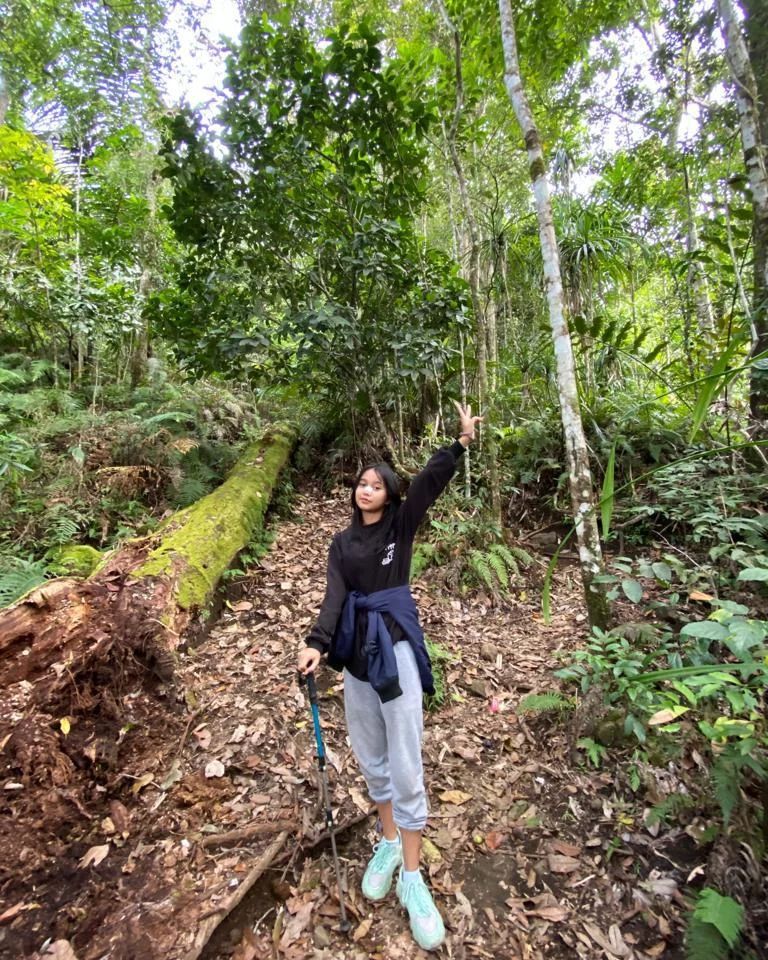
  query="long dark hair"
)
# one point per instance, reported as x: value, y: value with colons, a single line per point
x: 391, y: 482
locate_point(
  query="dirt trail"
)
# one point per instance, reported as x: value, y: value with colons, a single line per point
x: 528, y: 856
x: 517, y: 839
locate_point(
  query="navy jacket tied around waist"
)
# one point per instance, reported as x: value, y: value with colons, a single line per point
x: 382, y: 665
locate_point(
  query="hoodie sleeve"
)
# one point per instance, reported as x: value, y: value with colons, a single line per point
x: 321, y: 634
x: 427, y: 486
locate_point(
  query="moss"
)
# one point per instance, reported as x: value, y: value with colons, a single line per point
x: 73, y: 560
x: 200, y: 542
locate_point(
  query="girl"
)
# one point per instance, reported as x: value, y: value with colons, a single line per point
x: 368, y: 625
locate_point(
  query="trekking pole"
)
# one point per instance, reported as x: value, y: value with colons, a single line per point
x: 345, y: 925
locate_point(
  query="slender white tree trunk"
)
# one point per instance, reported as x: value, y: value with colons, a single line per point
x: 754, y: 149
x: 5, y: 98
x: 582, y: 496
x: 81, y: 334
x: 697, y: 277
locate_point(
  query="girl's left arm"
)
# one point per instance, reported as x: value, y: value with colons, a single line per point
x: 427, y: 485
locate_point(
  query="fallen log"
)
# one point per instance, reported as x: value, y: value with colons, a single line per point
x: 144, y: 597
x: 220, y: 913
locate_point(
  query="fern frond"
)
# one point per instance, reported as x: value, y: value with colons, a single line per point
x: 65, y: 402
x: 184, y: 444
x: 11, y: 378
x: 130, y: 481
x: 714, y: 926
x: 173, y: 416
x: 727, y: 780
x: 496, y: 563
x: 19, y: 577
x: 502, y: 550
x: 39, y: 368
x: 479, y: 563
x: 543, y: 703
x: 669, y: 808
x: 63, y: 528
x: 191, y: 489
x: 522, y: 555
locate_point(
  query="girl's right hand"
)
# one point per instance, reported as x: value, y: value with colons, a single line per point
x: 308, y: 660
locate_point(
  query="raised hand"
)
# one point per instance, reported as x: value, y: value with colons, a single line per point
x: 467, y: 422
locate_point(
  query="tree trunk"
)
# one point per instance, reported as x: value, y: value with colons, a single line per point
x: 582, y: 498
x: 148, y: 260
x: 145, y: 595
x: 753, y: 128
x: 481, y: 339
x: 385, y: 437
x: 81, y: 335
x: 5, y: 98
x: 697, y: 278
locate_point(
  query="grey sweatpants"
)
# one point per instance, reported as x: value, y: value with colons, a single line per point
x: 386, y: 739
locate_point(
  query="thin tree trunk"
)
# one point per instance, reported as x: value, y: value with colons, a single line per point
x: 481, y: 340
x: 386, y: 440
x: 491, y: 328
x: 5, y: 98
x: 697, y: 278
x: 78, y: 263
x: 743, y: 299
x: 467, y: 465
x: 140, y: 352
x: 456, y: 249
x: 748, y: 105
x: 582, y: 497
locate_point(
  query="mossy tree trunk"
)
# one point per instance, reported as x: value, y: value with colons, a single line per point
x: 143, y: 598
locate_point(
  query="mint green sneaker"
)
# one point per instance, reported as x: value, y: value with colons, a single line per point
x: 426, y: 923
x: 377, y: 880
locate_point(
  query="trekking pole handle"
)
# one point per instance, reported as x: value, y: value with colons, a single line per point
x: 311, y: 688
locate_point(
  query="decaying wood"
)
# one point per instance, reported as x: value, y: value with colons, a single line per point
x: 144, y: 597
x: 258, y: 829
x: 221, y: 912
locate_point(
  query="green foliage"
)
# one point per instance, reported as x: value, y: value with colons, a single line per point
x: 544, y: 703
x: 669, y: 809
x: 440, y: 657
x: 711, y: 681
x: 714, y: 926
x: 191, y: 488
x: 423, y: 556
x: 337, y: 292
x: 19, y: 575
x: 595, y: 752
x: 15, y: 457
x: 100, y: 475
x: 62, y: 528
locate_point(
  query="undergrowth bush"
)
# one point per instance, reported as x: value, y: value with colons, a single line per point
x: 470, y: 548
x: 97, y: 466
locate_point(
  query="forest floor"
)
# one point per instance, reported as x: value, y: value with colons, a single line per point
x: 529, y: 855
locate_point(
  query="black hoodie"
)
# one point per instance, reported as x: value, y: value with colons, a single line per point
x: 377, y: 556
